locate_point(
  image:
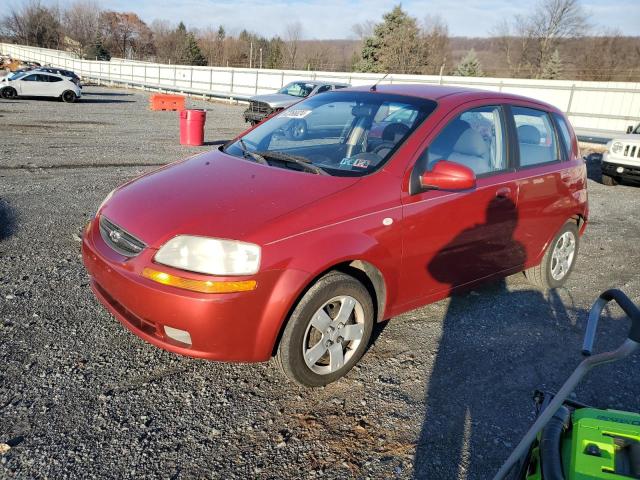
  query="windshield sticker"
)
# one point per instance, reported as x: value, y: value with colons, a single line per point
x: 354, y: 162
x: 295, y: 113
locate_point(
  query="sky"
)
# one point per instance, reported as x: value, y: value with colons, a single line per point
x: 333, y: 19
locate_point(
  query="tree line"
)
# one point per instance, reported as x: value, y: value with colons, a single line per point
x: 554, y: 40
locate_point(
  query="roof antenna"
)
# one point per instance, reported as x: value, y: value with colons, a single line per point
x: 373, y: 87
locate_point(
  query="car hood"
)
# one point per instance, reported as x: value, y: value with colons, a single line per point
x: 215, y: 195
x: 627, y: 137
x: 277, y: 100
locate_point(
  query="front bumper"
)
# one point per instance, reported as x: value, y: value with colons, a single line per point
x: 619, y: 170
x: 254, y: 117
x: 228, y: 327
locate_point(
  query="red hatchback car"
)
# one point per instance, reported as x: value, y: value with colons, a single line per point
x: 293, y: 245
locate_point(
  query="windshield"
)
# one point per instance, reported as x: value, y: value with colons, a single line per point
x: 341, y: 133
x: 16, y: 76
x: 297, y: 89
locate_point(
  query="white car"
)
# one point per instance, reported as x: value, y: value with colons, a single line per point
x: 40, y: 84
x: 622, y: 158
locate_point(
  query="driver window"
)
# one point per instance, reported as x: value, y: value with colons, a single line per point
x: 474, y: 139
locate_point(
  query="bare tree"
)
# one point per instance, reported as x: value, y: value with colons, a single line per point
x: 529, y: 41
x: 364, y: 29
x: 292, y: 37
x: 81, y: 21
x: 435, y: 43
x: 554, y: 20
x: 33, y: 24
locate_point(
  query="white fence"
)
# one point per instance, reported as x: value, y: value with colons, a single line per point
x: 592, y: 106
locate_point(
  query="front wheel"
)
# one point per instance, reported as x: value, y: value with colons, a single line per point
x: 327, y: 332
x: 69, y: 97
x: 558, y: 260
x: 609, y: 181
x: 9, y: 92
x: 296, y: 130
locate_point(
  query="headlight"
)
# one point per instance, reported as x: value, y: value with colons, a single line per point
x: 616, y: 147
x: 211, y: 256
x: 106, y: 199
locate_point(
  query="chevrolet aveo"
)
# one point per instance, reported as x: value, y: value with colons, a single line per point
x: 293, y: 246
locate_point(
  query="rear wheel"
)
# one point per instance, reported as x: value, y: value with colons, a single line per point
x: 327, y: 332
x: 9, y: 92
x: 609, y: 181
x: 69, y: 96
x: 558, y: 260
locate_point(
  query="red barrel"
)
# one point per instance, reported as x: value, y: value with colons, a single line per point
x: 192, y: 127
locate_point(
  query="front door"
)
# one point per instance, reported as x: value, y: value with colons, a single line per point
x: 453, y: 239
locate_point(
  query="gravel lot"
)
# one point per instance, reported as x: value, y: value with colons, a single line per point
x: 444, y: 392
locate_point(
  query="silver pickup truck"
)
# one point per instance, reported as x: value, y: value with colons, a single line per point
x: 621, y: 161
x: 261, y: 106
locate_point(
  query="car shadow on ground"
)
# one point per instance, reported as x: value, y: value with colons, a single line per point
x: 103, y: 100
x: 483, y: 349
x: 8, y: 223
x: 107, y: 94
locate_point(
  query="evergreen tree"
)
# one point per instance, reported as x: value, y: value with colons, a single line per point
x: 469, y: 66
x: 394, y: 46
x: 553, y: 67
x: 97, y: 51
x: 194, y: 54
x: 275, y: 56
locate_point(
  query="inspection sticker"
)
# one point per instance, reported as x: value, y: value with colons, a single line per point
x: 295, y: 113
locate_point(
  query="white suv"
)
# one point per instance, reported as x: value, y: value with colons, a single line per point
x: 40, y: 84
x: 622, y: 158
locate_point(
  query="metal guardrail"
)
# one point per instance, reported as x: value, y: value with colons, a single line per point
x: 606, y: 107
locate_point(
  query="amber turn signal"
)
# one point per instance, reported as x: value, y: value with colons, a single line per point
x: 202, y: 286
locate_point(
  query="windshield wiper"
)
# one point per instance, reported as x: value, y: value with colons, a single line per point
x: 248, y: 154
x: 288, y: 158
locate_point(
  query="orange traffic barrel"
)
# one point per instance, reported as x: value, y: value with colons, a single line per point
x: 192, y: 127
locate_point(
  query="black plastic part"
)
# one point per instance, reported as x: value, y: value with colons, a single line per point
x: 629, y: 308
x: 550, y: 453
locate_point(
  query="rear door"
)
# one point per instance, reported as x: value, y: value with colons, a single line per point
x: 453, y: 239
x: 549, y: 175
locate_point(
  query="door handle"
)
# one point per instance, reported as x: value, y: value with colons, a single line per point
x: 504, y: 192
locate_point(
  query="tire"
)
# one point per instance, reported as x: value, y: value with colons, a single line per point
x: 68, y: 96
x: 559, y: 259
x: 9, y: 92
x: 297, y: 130
x: 323, y: 337
x: 609, y: 181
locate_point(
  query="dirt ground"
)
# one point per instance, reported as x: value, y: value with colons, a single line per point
x: 443, y: 392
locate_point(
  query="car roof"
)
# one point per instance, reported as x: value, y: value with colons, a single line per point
x: 439, y: 92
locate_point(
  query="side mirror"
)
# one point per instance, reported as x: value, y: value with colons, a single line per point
x: 630, y: 129
x: 447, y: 175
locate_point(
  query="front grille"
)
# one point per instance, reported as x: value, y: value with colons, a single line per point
x: 631, y: 151
x: 259, y: 107
x: 119, y: 239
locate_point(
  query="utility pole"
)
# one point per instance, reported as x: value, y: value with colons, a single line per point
x: 260, y: 58
x: 251, y: 55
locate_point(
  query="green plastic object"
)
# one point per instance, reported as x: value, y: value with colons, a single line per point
x: 604, y: 444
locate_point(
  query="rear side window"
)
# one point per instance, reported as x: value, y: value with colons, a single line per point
x: 54, y: 79
x: 536, y: 136
x: 565, y: 134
